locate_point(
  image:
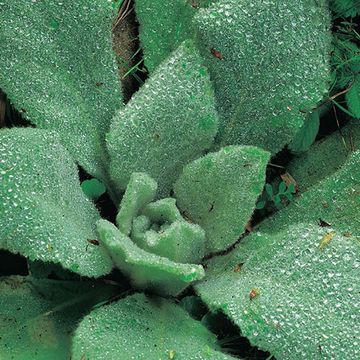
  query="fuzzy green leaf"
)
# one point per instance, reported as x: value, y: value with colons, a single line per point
x: 163, y: 27
x: 159, y: 329
x: 146, y: 270
x: 353, y: 98
x: 162, y: 211
x: 325, y: 157
x: 44, y: 213
x: 170, y: 121
x: 335, y: 200
x: 294, y: 295
x: 59, y: 69
x: 307, y: 134
x: 38, y: 317
x: 269, y: 61
x: 219, y: 192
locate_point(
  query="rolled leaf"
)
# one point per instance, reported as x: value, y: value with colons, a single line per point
x: 146, y: 270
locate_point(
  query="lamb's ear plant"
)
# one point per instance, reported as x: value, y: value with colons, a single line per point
x: 185, y: 163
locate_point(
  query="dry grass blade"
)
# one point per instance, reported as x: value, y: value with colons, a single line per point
x: 125, y: 9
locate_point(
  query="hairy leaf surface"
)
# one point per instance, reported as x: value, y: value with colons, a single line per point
x: 293, y: 293
x: 163, y: 27
x: 219, y: 192
x: 325, y: 157
x: 58, y: 68
x: 147, y: 270
x: 38, y: 317
x: 335, y: 200
x: 159, y: 329
x: 44, y: 213
x: 269, y: 61
x: 170, y: 121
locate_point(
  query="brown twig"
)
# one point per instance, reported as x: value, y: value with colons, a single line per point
x: 331, y: 98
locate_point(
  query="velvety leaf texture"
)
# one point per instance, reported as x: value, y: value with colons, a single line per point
x: 269, y: 61
x: 141, y: 190
x: 44, y: 213
x: 163, y: 27
x: 170, y: 121
x: 335, y: 200
x: 293, y: 293
x: 159, y: 329
x: 219, y: 192
x: 146, y: 270
x: 325, y: 157
x: 38, y: 317
x: 59, y: 70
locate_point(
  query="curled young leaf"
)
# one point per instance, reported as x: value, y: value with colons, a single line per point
x: 140, y: 190
x: 146, y: 270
